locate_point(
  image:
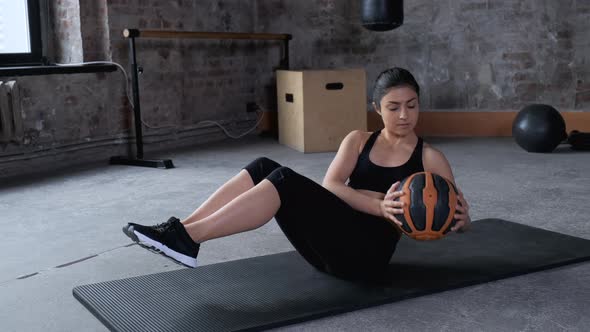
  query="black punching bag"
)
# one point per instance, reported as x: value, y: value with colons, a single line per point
x: 382, y: 15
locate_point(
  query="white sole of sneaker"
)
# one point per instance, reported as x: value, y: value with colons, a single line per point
x: 184, y: 259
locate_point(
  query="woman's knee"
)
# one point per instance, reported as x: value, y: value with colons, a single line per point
x: 285, y: 182
x: 280, y: 174
x: 260, y: 168
x: 266, y: 162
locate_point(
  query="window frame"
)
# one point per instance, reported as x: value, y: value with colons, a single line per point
x: 35, y: 57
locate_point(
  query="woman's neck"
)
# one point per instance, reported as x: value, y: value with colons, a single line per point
x: 394, y: 140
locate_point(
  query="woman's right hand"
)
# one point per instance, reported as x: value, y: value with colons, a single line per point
x: 390, y: 207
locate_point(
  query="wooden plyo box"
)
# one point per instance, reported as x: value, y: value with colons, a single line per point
x: 318, y: 108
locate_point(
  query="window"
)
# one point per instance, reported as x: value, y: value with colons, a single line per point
x: 20, y: 33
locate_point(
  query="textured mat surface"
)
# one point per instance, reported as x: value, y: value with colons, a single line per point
x: 275, y: 290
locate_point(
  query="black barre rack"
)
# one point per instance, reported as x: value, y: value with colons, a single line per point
x: 132, y: 34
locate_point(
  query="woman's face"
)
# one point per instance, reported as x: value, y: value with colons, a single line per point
x: 399, y: 109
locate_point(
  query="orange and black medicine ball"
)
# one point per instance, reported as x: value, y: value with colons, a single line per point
x: 430, y: 206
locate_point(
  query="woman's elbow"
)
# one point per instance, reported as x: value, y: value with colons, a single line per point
x: 330, y: 184
x: 326, y: 183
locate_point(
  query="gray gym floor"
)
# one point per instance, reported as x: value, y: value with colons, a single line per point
x: 64, y: 230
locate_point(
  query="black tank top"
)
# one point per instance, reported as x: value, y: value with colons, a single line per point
x: 369, y: 176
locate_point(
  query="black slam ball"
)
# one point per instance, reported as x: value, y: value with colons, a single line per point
x: 539, y: 128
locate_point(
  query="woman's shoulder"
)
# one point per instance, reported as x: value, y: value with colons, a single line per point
x: 357, y: 133
x: 360, y: 137
x: 431, y: 155
x: 431, y: 150
x: 428, y: 146
x: 435, y: 161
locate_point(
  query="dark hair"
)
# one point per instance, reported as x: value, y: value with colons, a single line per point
x: 390, y: 78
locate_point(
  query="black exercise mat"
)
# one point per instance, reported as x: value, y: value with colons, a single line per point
x: 275, y: 290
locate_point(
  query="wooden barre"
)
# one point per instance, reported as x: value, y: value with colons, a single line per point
x: 134, y: 33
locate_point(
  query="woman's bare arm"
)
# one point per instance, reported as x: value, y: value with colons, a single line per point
x: 435, y: 162
x: 340, y: 170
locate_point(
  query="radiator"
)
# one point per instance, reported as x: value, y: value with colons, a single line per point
x: 11, y: 120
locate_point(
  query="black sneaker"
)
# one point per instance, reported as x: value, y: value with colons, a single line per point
x: 130, y: 234
x: 170, y: 238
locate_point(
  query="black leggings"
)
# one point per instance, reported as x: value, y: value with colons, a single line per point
x: 324, y: 229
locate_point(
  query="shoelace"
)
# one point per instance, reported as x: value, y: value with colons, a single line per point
x: 163, y: 226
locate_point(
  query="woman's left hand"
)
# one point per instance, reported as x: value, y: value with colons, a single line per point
x: 462, y: 215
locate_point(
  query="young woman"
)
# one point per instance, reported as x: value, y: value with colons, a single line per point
x: 347, y: 229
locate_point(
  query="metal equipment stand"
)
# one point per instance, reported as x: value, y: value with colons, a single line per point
x: 132, y: 34
x: 137, y: 161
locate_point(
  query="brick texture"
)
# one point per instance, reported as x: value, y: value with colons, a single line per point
x: 466, y: 54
